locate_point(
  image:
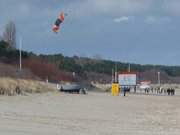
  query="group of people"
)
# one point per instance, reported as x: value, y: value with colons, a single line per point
x: 160, y: 90
x: 155, y: 90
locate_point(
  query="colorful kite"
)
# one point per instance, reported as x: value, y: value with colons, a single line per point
x: 59, y: 20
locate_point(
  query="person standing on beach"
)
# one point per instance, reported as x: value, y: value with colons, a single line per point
x: 124, y: 91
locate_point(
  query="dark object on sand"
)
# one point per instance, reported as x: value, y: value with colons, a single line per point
x: 70, y: 88
x: 171, y: 91
x: 83, y: 91
x: 125, y: 90
x: 18, y: 90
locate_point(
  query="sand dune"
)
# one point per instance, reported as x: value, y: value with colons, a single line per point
x: 8, y: 86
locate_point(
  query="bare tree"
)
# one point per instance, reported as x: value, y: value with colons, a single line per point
x: 9, y: 34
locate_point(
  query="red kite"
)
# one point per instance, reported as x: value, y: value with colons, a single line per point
x: 59, y: 20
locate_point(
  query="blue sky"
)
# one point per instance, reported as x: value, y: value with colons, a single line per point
x: 137, y: 31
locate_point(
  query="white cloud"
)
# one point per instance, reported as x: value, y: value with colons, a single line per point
x: 121, y: 19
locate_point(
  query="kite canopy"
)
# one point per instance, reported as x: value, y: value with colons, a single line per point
x: 59, y: 20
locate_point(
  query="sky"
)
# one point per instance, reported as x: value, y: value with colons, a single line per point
x: 135, y: 31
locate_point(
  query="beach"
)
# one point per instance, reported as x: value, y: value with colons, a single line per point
x: 96, y: 113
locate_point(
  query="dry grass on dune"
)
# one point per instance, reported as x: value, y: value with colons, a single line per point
x: 8, y: 86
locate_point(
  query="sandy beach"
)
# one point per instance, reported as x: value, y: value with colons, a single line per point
x: 93, y: 114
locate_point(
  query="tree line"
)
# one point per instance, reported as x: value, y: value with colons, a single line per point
x: 82, y: 65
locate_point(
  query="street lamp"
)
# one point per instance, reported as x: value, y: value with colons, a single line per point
x: 20, y: 54
x: 129, y: 68
x: 159, y: 79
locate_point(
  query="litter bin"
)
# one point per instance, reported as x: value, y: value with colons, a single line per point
x: 115, y: 89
